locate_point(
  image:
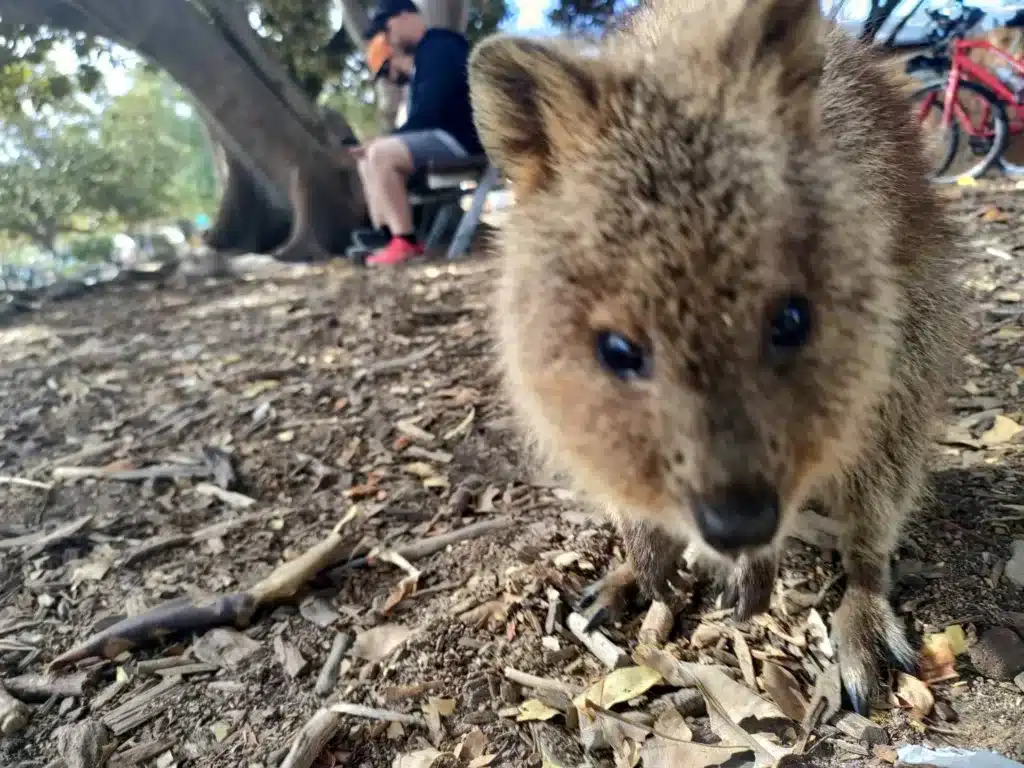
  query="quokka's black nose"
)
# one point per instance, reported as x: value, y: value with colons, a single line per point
x: 739, y: 516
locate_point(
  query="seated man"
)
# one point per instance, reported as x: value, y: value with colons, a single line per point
x: 439, y: 124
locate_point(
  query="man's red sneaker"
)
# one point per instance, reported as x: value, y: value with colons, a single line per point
x: 398, y: 251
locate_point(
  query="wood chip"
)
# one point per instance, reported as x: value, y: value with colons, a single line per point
x: 14, y: 715
x: 607, y: 652
x: 81, y: 745
x: 291, y: 659
x: 35, y: 687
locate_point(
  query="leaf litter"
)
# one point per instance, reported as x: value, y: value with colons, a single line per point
x: 381, y: 403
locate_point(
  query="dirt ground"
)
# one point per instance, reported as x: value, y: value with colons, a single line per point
x: 329, y: 388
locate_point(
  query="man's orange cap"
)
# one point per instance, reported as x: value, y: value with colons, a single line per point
x: 377, y: 53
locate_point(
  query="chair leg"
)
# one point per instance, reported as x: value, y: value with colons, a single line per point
x: 467, y: 225
x: 439, y: 225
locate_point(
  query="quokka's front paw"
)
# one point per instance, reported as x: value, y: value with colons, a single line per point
x: 604, y: 600
x: 747, y: 587
x: 868, y: 633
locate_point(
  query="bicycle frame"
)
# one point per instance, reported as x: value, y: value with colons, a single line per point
x: 965, y: 68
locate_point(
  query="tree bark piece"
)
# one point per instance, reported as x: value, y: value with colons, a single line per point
x: 312, y: 739
x: 82, y: 744
x: 860, y: 728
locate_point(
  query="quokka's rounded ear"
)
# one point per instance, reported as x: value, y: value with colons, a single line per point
x: 534, y: 105
x: 780, y: 37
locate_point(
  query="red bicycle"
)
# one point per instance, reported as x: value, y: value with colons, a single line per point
x: 970, y: 100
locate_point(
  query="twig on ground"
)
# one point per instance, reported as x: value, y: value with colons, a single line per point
x: 311, y: 740
x: 231, y: 498
x: 607, y: 652
x: 39, y: 541
x: 328, y: 677
x: 428, y: 546
x: 373, y: 713
x: 541, y: 683
x: 89, y: 452
x: 401, y: 363
x: 216, y: 530
x: 25, y: 482
x: 185, y: 615
x: 157, y: 472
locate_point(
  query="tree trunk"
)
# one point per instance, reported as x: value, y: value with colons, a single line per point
x: 279, y: 150
x: 449, y: 14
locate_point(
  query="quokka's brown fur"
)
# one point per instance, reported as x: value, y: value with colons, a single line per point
x: 712, y: 158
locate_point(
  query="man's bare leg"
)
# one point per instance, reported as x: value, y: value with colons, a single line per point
x: 390, y: 166
x: 373, y: 206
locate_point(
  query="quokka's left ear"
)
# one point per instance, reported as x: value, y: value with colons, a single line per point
x: 535, y: 106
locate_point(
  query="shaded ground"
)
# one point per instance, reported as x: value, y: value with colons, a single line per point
x: 330, y: 387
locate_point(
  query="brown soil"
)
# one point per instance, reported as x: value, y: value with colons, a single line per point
x: 288, y: 374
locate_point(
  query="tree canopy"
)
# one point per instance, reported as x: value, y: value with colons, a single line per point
x: 80, y: 166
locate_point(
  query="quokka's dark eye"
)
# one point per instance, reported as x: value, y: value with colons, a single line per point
x: 622, y: 357
x: 791, y: 324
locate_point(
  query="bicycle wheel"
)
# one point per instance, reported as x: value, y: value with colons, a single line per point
x: 978, y: 117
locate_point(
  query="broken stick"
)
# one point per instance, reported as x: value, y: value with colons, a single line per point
x: 607, y: 652
x: 185, y: 615
x: 328, y: 678
x: 312, y: 739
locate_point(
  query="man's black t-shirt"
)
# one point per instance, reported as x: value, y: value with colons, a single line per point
x: 439, y: 91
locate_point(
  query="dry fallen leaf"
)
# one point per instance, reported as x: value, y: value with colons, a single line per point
x: 728, y: 702
x: 819, y: 633
x: 938, y: 662
x: 915, y: 694
x: 472, y: 746
x: 376, y: 644
x: 785, y: 691
x: 992, y: 214
x: 660, y: 753
x: 1002, y: 431
x: 672, y: 725
x: 532, y: 709
x: 742, y: 650
x: 421, y: 758
x: 619, y: 685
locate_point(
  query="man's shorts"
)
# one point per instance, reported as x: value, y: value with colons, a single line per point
x: 428, y: 147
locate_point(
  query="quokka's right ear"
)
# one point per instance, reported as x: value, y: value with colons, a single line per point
x: 534, y: 106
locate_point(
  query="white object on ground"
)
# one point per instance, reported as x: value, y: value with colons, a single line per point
x: 951, y: 757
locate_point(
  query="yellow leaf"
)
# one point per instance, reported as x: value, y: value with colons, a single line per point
x: 532, y: 709
x: 966, y: 181
x: 257, y: 388
x: 957, y: 639
x: 620, y: 685
x: 286, y: 437
x: 915, y: 694
x: 1002, y: 431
